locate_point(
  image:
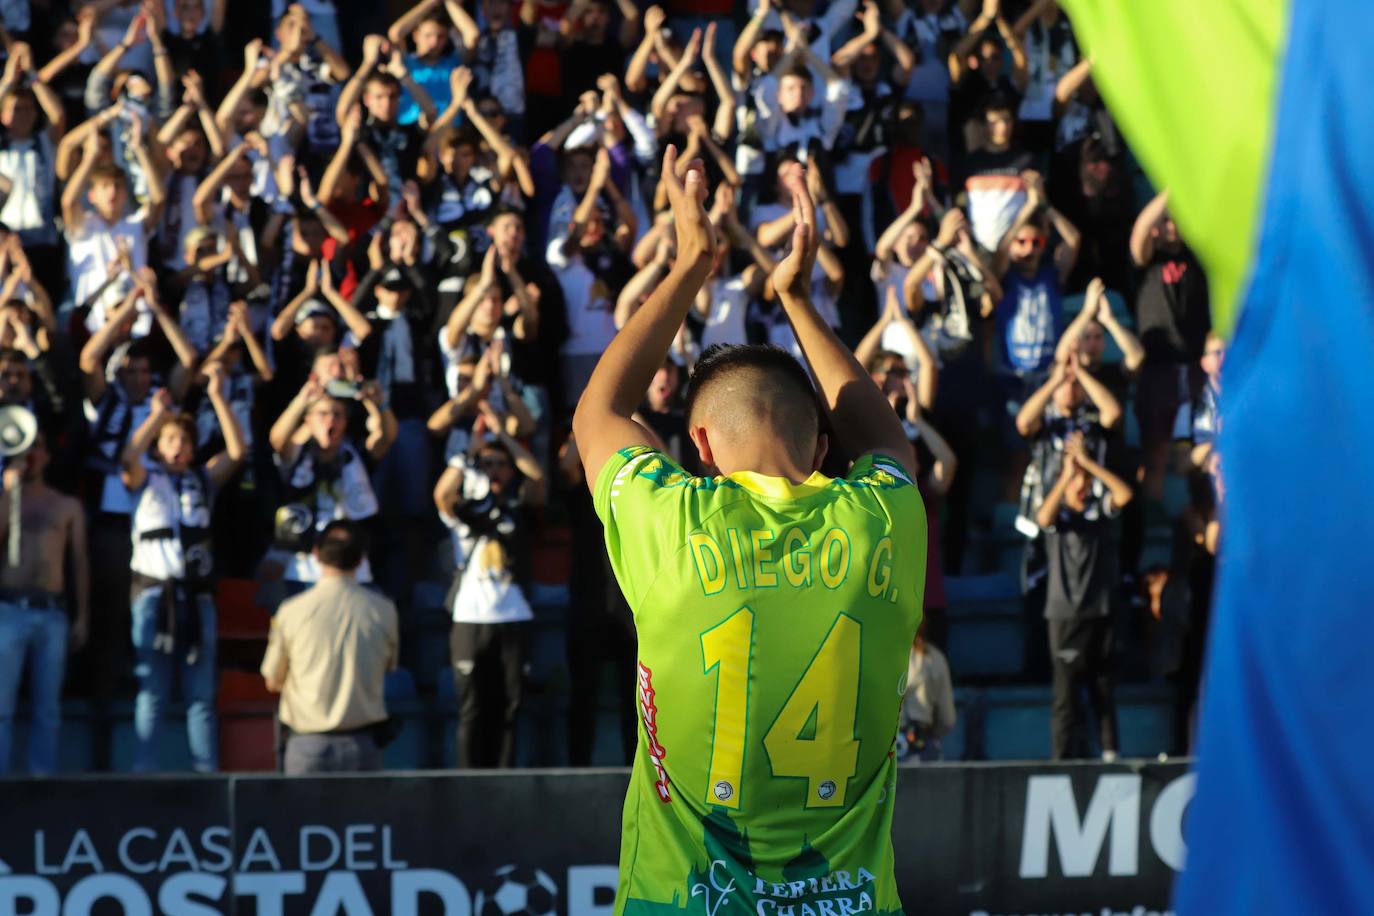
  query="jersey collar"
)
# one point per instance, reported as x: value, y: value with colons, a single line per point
x: 780, y: 487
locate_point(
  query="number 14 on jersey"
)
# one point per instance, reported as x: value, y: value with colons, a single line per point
x: 811, y: 738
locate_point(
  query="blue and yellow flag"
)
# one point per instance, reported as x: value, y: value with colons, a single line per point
x: 1254, y: 114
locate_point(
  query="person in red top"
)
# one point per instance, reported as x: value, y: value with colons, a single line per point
x: 896, y: 170
x: 540, y: 26
x: 357, y: 206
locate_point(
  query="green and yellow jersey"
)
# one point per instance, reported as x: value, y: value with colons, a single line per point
x: 775, y: 622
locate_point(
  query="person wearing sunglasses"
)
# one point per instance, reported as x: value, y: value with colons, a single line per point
x: 1030, y: 313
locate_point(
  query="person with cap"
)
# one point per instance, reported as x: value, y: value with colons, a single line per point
x: 328, y: 654
x: 397, y: 298
x: 312, y: 322
x: 310, y: 315
x: 173, y: 565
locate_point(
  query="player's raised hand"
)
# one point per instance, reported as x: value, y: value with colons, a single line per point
x: 792, y: 276
x: 696, y: 237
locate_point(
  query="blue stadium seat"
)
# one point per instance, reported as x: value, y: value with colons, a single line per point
x: 548, y: 595
x: 410, y: 749
x: 431, y: 658
x: 427, y: 596
x: 986, y: 626
x: 988, y: 587
x: 1145, y: 719
x: 399, y: 686
x: 445, y: 691
x: 1016, y: 723
x: 174, y: 755
x: 73, y: 743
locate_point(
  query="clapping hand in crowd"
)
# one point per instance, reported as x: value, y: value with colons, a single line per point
x: 696, y: 236
x: 792, y: 278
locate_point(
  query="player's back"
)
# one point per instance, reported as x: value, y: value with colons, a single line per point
x: 775, y: 622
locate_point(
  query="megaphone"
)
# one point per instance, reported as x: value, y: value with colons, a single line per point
x: 18, y: 431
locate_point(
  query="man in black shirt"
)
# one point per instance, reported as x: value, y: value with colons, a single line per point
x: 536, y: 362
x: 193, y: 47
x: 975, y: 73
x: 593, y: 48
x: 397, y: 299
x: 1173, y: 318
x: 1076, y: 519
x: 398, y: 146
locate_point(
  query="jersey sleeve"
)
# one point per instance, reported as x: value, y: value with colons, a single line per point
x: 878, y: 470
x: 639, y: 499
x: 886, y: 484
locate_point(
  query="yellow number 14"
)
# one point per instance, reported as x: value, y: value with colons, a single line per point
x: 811, y: 738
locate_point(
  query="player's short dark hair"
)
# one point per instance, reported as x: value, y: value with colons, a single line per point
x: 801, y: 72
x: 785, y: 391
x: 342, y: 544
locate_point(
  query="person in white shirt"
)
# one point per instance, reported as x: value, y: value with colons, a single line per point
x: 590, y: 306
x: 724, y: 302
x: 927, y: 706
x: 117, y: 389
x: 788, y: 119
x: 102, y: 240
x: 190, y: 149
x: 28, y: 151
x: 485, y: 498
x: 821, y: 30
x: 173, y: 568
x: 323, y: 473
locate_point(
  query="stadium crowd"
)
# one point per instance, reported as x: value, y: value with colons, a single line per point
x: 270, y: 268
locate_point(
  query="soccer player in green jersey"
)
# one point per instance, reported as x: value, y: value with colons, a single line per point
x: 775, y: 606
